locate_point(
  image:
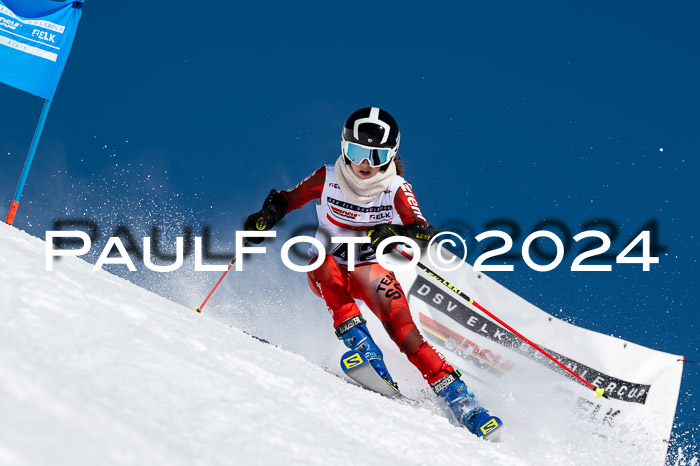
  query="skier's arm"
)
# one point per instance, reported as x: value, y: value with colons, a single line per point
x: 309, y: 189
x: 280, y: 203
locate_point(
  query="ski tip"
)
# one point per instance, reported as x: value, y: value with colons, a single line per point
x: 600, y: 392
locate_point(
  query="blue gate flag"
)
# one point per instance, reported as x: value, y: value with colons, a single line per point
x: 35, y: 39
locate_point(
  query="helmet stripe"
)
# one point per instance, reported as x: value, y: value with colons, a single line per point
x: 373, y: 118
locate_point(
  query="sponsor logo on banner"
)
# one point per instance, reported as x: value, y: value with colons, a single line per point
x: 29, y: 40
x: 482, y: 357
x: 8, y: 23
x: 33, y: 51
x: 434, y: 296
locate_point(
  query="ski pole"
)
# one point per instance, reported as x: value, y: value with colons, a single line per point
x: 233, y: 261
x: 599, y: 391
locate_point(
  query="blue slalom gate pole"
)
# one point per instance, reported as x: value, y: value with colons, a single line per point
x: 28, y: 163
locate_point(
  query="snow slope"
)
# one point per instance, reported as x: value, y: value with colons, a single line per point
x: 95, y: 370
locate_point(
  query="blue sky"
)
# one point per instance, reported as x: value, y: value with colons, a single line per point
x: 508, y: 110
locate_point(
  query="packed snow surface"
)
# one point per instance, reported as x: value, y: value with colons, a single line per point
x: 95, y: 370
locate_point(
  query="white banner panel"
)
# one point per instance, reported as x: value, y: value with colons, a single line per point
x: 642, y: 384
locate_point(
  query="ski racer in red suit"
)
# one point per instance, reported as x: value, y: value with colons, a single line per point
x: 364, y: 194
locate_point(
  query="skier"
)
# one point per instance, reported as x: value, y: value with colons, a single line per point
x: 364, y: 193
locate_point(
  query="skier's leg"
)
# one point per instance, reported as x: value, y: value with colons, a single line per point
x: 331, y: 282
x: 383, y: 294
x: 380, y: 290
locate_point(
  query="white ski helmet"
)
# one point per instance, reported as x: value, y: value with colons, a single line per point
x: 370, y: 133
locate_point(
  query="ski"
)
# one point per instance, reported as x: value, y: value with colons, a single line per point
x: 356, y: 366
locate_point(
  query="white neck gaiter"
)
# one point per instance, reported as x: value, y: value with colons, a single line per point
x: 359, y: 190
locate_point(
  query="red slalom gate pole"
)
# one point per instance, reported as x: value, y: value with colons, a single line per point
x: 233, y: 261
x: 599, y: 391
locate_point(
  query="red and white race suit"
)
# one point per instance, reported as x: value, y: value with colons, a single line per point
x: 369, y: 282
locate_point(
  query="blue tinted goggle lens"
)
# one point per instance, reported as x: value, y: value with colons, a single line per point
x: 375, y: 157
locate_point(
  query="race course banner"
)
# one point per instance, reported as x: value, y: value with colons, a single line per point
x: 641, y: 384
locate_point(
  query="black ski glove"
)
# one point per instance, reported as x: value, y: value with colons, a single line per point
x: 274, y: 209
x: 380, y: 232
x: 421, y: 234
x: 259, y: 221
